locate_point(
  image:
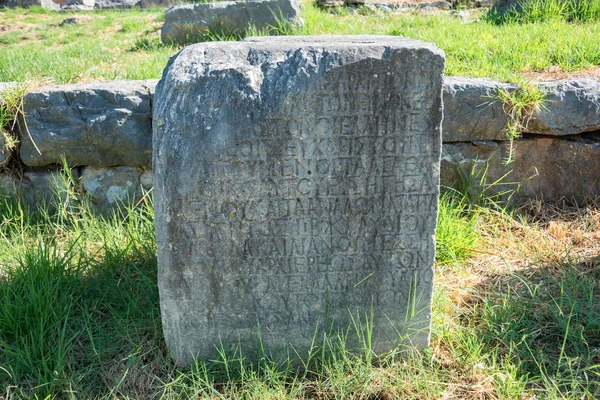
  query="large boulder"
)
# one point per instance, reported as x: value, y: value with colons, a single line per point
x: 185, y: 24
x: 100, y: 124
x: 571, y: 107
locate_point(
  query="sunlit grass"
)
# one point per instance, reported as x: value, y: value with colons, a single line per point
x: 514, y: 315
x: 126, y: 44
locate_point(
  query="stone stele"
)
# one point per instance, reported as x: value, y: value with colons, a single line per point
x: 297, y: 181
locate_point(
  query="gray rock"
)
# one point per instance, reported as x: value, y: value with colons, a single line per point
x: 487, y: 144
x: 186, y: 23
x: 543, y: 168
x: 505, y: 4
x: 112, y: 4
x: 77, y: 5
x: 439, y: 5
x: 472, y: 111
x: 5, y: 152
x: 109, y: 188
x: 7, y: 186
x: 38, y: 188
x: 99, y: 124
x: 571, y: 107
x: 331, y: 3
x: 48, y: 4
x: 157, y: 3
x: 308, y: 196
x: 55, y: 5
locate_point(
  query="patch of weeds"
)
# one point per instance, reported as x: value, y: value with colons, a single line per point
x: 147, y: 45
x: 340, y: 11
x: 193, y: 35
x: 10, y: 38
x: 39, y: 10
x: 477, y: 189
x: 37, y: 330
x: 456, y: 236
x: 366, y: 10
x: 11, y: 106
x: 520, y: 105
x: 546, y: 321
x: 80, y: 307
x: 129, y: 26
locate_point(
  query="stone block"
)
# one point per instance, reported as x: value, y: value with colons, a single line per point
x: 572, y: 106
x: 307, y: 199
x: 472, y: 110
x: 542, y: 168
x: 185, y: 24
x: 109, y: 188
x: 99, y: 124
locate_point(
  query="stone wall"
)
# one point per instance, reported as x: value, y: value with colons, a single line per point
x: 104, y: 131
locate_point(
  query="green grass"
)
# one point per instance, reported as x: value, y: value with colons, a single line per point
x: 126, y: 45
x: 113, y: 45
x: 80, y: 319
x: 534, y: 11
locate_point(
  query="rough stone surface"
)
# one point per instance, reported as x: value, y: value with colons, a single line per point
x: 308, y: 196
x: 108, y: 4
x: 440, y: 5
x: 505, y: 4
x: 54, y: 5
x: 185, y: 23
x: 99, y: 124
x: 157, y: 3
x: 572, y: 106
x: 471, y: 112
x: 543, y: 167
x: 111, y: 187
x: 331, y: 3
x: 37, y: 187
x: 4, y: 152
x: 49, y: 4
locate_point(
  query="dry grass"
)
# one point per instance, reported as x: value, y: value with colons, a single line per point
x: 542, y: 235
x: 556, y: 73
x: 534, y: 248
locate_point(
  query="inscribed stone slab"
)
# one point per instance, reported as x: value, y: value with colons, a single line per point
x: 296, y: 185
